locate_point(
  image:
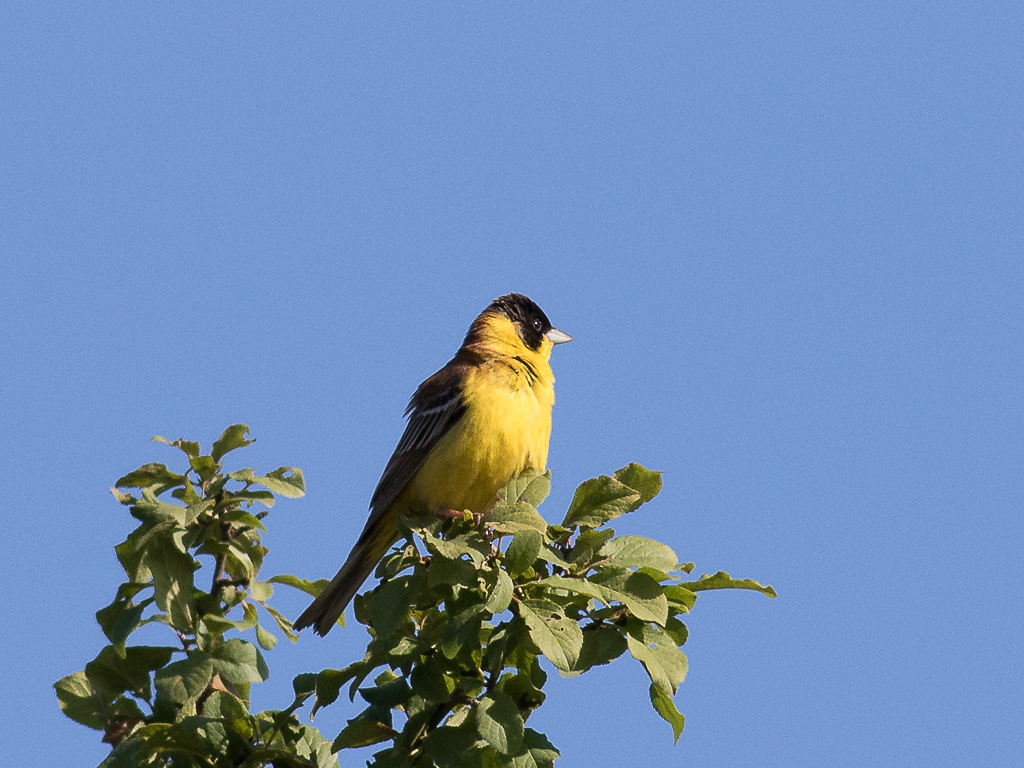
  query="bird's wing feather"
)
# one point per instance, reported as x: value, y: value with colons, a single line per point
x: 435, y: 408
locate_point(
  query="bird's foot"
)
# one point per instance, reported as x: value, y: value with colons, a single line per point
x: 451, y: 514
x: 455, y: 514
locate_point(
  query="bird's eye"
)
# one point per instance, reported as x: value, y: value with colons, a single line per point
x: 537, y: 324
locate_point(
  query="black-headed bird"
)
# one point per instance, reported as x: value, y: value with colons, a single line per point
x: 474, y: 425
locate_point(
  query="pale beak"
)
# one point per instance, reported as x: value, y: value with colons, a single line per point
x: 556, y: 336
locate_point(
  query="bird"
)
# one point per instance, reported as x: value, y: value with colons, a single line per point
x: 482, y: 419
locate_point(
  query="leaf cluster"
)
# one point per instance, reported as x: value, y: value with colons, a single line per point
x: 467, y: 618
x: 187, y: 702
x: 467, y: 609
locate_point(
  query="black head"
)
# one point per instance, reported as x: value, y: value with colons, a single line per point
x: 529, y: 319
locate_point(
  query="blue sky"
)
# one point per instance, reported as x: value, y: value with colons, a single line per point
x: 789, y: 241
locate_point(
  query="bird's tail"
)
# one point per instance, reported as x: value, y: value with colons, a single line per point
x: 325, y: 610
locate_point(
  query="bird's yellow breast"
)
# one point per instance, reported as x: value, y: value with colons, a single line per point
x: 504, y: 431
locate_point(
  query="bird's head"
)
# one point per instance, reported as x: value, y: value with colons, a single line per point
x: 514, y: 321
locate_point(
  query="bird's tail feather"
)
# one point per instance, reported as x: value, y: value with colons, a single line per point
x: 326, y: 609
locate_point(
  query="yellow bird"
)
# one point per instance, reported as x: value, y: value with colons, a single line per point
x: 475, y: 424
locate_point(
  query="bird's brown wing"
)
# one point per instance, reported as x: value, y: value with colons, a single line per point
x: 435, y: 408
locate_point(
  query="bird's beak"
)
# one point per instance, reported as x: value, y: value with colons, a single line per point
x: 556, y: 336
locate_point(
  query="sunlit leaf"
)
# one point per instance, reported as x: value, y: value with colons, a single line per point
x: 559, y: 638
x: 599, y: 500
x: 233, y: 437
x: 723, y: 580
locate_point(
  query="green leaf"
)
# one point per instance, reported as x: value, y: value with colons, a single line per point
x: 183, y: 682
x: 529, y: 487
x: 501, y: 596
x: 601, y: 645
x: 454, y: 549
x: 637, y: 552
x: 151, y: 509
x: 665, y: 663
x: 463, y: 626
x: 523, y: 551
x: 542, y: 750
x: 190, y: 448
x: 284, y: 481
x: 282, y: 623
x: 80, y: 701
x: 587, y: 546
x: 455, y: 745
x: 329, y: 682
x: 559, y: 638
x: 266, y: 498
x: 578, y: 586
x: 666, y: 707
x: 116, y: 674
x: 233, y: 437
x: 599, y: 500
x: 499, y: 723
x: 723, y: 580
x: 239, y: 662
x: 642, y: 595
x: 150, y: 475
x: 122, y: 617
x: 429, y: 681
x: 680, y: 598
x: 313, y: 588
x: 244, y: 519
x: 645, y: 481
x: 512, y: 517
x: 123, y: 498
x: 172, y: 581
x: 266, y: 639
x: 362, y: 733
x: 389, y: 694
x: 388, y: 605
x: 204, y: 466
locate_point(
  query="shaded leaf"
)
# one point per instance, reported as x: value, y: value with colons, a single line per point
x: 601, y: 645
x: 588, y: 544
x: 645, y: 481
x: 680, y: 597
x: 387, y: 605
x: 642, y: 595
x: 182, y: 682
x: 666, y: 707
x: 499, y: 723
x: 79, y: 701
x: 362, y: 733
x: 130, y: 673
x: 239, y: 662
x: 542, y: 750
x: 523, y: 551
